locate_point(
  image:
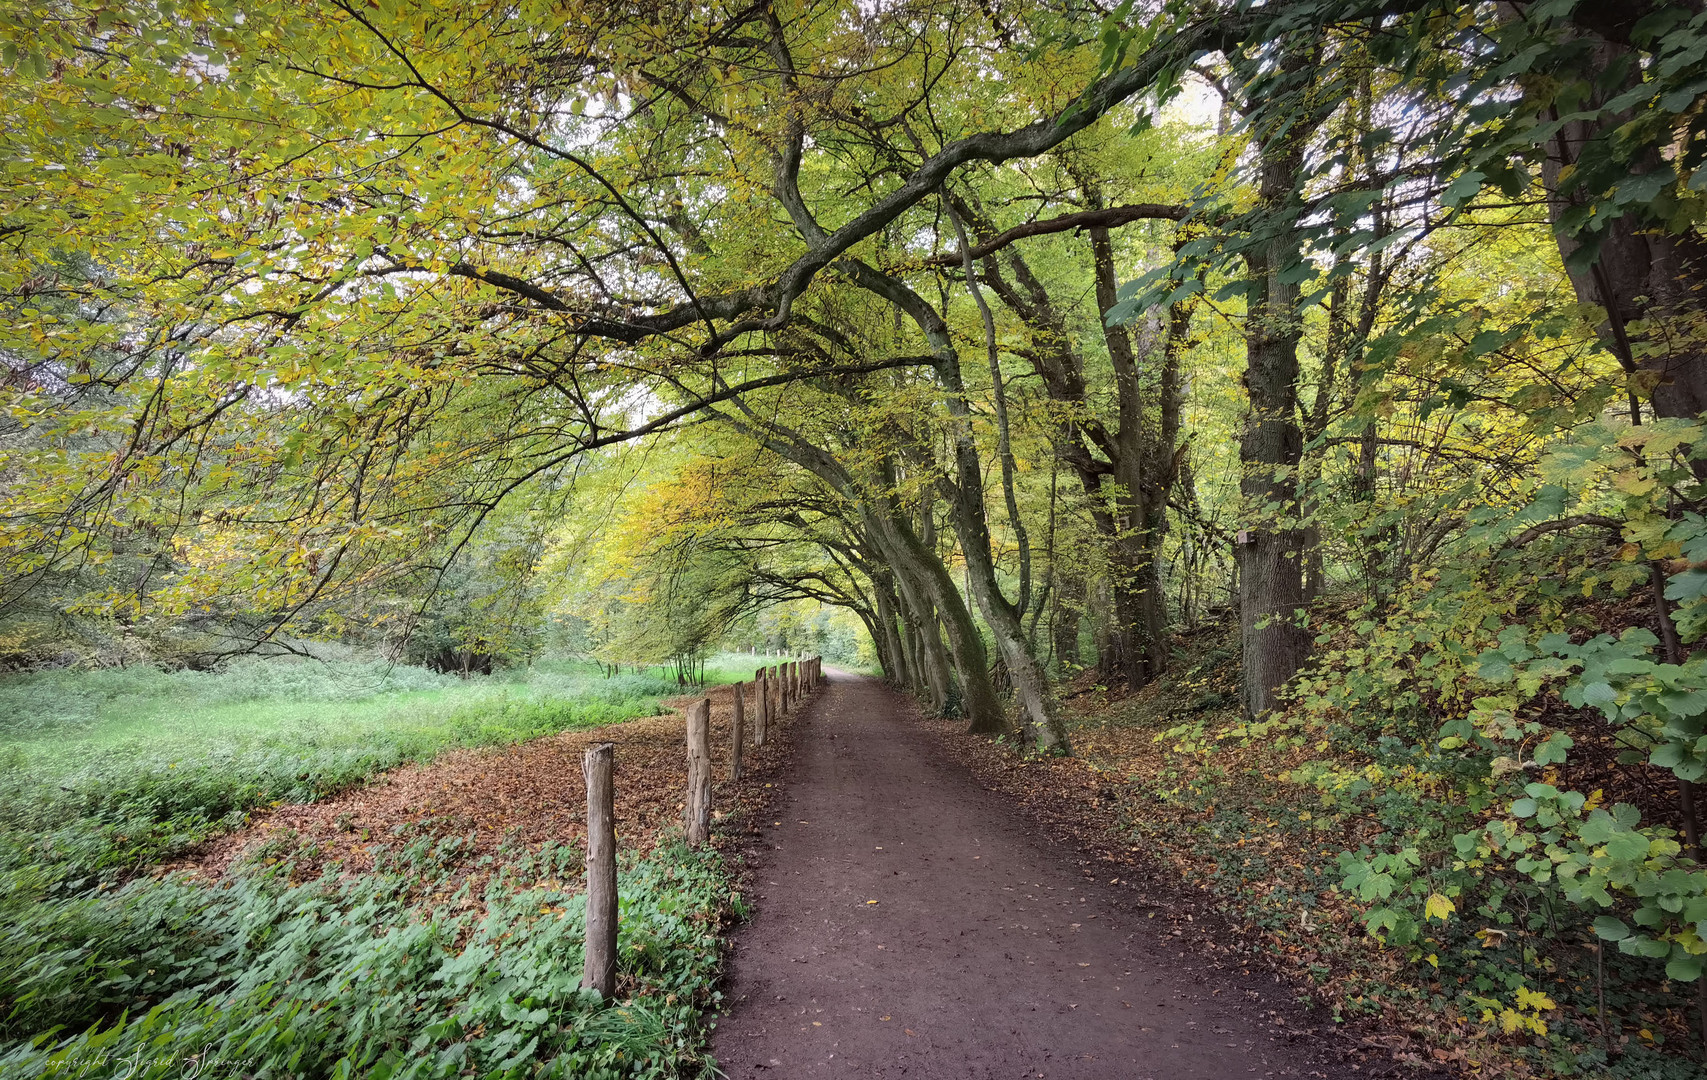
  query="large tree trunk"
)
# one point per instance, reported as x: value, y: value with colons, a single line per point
x: 1144, y: 472
x: 923, y: 571
x: 1040, y: 716
x: 1131, y: 513
x: 1065, y: 613
x: 888, y: 639
x: 1643, y: 273
x: 1269, y: 546
x: 924, y: 638
x: 917, y: 568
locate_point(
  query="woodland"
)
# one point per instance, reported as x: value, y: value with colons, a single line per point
x: 1289, y: 412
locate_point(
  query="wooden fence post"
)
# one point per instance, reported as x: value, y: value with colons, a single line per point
x: 697, y: 816
x: 737, y: 735
x: 599, y: 971
x: 761, y: 706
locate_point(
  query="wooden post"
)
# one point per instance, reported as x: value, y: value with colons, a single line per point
x: 696, y: 821
x: 761, y: 706
x: 737, y: 735
x: 599, y: 971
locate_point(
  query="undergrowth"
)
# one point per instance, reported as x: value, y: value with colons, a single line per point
x: 428, y: 966
x: 1286, y: 821
x: 385, y: 975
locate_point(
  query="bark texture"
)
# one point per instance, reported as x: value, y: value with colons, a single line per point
x: 598, y: 973
x: 1269, y: 545
x: 696, y: 817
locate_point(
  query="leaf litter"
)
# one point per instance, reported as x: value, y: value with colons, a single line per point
x: 501, y: 801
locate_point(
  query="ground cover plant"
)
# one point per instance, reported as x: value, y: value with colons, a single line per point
x: 379, y: 975
x: 441, y: 951
x: 1285, y: 822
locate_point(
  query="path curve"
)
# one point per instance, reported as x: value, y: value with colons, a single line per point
x: 988, y: 953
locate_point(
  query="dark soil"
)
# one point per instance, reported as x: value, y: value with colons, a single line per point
x: 911, y: 923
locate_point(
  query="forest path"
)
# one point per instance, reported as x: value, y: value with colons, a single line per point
x: 989, y: 951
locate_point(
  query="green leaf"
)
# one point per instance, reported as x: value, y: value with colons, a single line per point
x: 1599, y: 693
x: 1652, y: 948
x: 1685, y: 968
x: 1666, y: 755
x: 1628, y: 846
x: 1609, y: 929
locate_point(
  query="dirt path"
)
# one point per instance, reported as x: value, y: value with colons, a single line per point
x: 988, y: 951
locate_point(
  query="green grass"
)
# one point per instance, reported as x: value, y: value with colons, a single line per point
x: 105, y: 772
x: 102, y: 772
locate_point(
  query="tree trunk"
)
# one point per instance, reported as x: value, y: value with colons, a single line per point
x: 923, y: 570
x: 896, y: 666
x: 1643, y: 273
x: 1269, y: 547
x: 1144, y: 472
x: 1066, y: 612
x: 965, y: 490
x: 1040, y: 716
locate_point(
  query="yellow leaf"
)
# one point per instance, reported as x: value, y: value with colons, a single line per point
x: 1438, y: 907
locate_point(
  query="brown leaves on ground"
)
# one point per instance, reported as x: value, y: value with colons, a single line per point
x: 1086, y: 801
x: 530, y: 794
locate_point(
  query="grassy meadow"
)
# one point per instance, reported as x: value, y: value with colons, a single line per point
x: 108, y: 969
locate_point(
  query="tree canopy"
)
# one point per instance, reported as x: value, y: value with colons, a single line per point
x: 1026, y: 337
